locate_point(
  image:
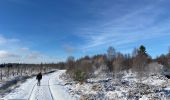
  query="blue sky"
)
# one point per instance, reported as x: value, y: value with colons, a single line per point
x: 35, y: 31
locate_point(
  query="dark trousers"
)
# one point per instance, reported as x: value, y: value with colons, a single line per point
x: 38, y: 83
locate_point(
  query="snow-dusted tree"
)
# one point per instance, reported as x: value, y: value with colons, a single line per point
x: 70, y: 64
x: 127, y: 62
x: 118, y: 65
x: 110, y: 56
x: 85, y: 66
x: 168, y: 58
x: 1, y: 73
x: 140, y: 62
x: 8, y: 70
x: 154, y: 68
x: 111, y: 53
x: 102, y: 67
x: 70, y: 58
x: 135, y: 52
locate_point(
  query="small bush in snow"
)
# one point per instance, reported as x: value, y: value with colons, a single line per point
x: 79, y: 76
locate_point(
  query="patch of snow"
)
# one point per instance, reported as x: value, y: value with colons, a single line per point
x: 144, y: 97
x: 117, y: 95
x: 155, y: 80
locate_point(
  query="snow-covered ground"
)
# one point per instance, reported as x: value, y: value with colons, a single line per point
x: 57, y: 86
x: 51, y: 89
x: 152, y: 87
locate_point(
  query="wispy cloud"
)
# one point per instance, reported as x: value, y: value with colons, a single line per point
x: 138, y: 25
x: 80, y: 28
x: 4, y: 41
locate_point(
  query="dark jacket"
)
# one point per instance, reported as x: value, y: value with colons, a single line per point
x: 39, y: 76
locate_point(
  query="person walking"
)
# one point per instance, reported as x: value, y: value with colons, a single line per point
x: 39, y: 77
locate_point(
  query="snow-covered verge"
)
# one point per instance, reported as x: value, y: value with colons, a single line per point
x: 152, y: 87
x: 9, y: 85
x: 23, y: 91
x: 14, y: 81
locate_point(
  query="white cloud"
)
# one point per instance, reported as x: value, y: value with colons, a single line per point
x: 6, y: 54
x: 13, y: 50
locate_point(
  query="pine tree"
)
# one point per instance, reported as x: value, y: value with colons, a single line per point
x: 142, y: 50
x: 140, y: 62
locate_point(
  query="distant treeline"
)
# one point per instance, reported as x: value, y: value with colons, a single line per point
x: 115, y: 62
x: 11, y: 70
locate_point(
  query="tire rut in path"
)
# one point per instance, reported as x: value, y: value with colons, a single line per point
x: 41, y: 90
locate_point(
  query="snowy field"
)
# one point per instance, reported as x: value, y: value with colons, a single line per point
x: 103, y: 87
x: 56, y: 86
x: 51, y: 89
